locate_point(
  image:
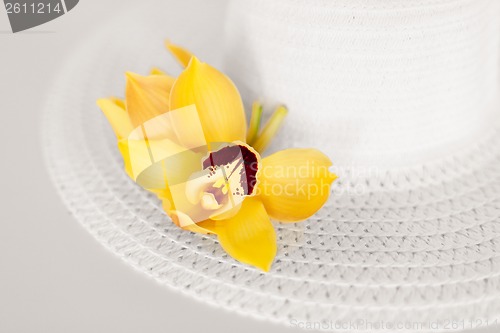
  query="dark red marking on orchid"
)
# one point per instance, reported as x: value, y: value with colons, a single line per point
x: 226, y: 155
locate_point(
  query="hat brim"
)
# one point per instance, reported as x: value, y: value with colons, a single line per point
x: 417, y: 244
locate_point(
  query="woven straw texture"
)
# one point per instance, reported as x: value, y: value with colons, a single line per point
x: 419, y: 242
x: 383, y: 83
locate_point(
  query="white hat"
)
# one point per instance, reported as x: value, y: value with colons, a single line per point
x: 404, y: 96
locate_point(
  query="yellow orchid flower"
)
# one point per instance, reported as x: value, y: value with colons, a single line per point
x: 186, y: 140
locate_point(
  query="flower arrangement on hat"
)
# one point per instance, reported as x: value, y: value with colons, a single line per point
x: 186, y: 140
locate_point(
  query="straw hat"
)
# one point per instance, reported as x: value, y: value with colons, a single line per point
x: 404, y: 96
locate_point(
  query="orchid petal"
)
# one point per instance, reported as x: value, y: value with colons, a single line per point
x: 157, y: 71
x: 182, y: 55
x: 180, y: 219
x: 295, y: 183
x: 249, y: 236
x: 217, y: 101
x: 147, y: 96
x: 114, y: 110
x: 145, y: 162
x: 183, y: 221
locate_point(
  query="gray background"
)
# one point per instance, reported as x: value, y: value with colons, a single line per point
x: 54, y: 277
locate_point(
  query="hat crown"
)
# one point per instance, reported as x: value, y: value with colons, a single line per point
x: 370, y: 82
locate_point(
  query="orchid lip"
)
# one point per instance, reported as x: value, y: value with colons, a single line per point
x: 236, y: 160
